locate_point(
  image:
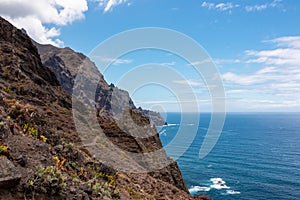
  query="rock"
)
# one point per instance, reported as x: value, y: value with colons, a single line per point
x: 21, y: 160
x: 43, y: 189
x: 85, y: 196
x: 9, y: 175
x: 88, y: 190
x: 59, y: 148
x: 155, y: 117
x: 73, y: 190
x: 202, y: 197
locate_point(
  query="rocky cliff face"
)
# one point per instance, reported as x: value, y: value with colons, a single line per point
x: 111, y: 102
x: 65, y: 63
x: 43, y: 155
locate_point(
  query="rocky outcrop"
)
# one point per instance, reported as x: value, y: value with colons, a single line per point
x: 9, y: 175
x: 155, y: 117
x: 39, y: 138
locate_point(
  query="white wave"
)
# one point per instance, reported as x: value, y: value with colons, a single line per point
x: 218, y: 184
x: 163, y: 132
x: 232, y: 192
x: 172, y: 125
x: 195, y: 189
x: 219, y: 187
x: 217, y: 181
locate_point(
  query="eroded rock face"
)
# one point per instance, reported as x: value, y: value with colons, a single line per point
x: 9, y: 174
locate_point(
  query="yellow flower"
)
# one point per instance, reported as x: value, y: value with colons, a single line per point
x: 43, y: 138
x: 56, y: 159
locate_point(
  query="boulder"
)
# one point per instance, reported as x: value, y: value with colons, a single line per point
x: 9, y: 174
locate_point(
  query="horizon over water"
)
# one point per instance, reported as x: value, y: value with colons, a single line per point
x: 256, y: 157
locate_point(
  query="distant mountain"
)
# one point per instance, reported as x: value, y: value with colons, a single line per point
x: 41, y: 154
x: 64, y: 63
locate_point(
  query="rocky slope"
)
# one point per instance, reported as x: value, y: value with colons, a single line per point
x: 41, y: 154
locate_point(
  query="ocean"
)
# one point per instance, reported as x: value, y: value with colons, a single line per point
x: 256, y: 157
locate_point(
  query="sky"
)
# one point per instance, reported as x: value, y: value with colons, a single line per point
x: 255, y: 45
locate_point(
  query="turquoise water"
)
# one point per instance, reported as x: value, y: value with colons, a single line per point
x: 256, y: 157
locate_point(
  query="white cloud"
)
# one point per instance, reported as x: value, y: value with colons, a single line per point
x: 275, y: 57
x: 268, y: 76
x: 259, y: 76
x: 276, y: 85
x: 288, y: 52
x: 188, y: 82
x: 260, y: 7
x: 208, y: 5
x: 169, y: 63
x: 34, y: 17
x: 226, y: 61
x: 289, y: 41
x: 108, y: 5
x: 37, y: 31
x: 116, y: 61
x: 200, y: 62
x: 227, y: 6
x: 256, y: 8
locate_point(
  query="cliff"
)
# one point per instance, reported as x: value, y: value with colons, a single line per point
x: 64, y: 63
x: 41, y: 154
x: 111, y: 101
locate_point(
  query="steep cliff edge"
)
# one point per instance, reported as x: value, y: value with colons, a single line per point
x: 40, y: 145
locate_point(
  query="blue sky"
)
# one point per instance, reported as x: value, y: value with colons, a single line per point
x: 255, y: 44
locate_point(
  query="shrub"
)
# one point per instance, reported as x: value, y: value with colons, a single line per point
x: 52, y: 178
x: 28, y: 128
x: 133, y: 193
x: 3, y: 149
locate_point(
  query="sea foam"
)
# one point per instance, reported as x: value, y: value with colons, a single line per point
x: 218, y: 184
x: 232, y: 192
x: 195, y: 189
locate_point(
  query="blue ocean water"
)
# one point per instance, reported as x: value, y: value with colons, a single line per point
x: 256, y: 157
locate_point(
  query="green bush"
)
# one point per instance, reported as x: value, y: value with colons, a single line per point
x: 28, y: 128
x: 3, y: 149
x: 52, y: 178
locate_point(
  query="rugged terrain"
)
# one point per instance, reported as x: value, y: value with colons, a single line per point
x: 42, y: 154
